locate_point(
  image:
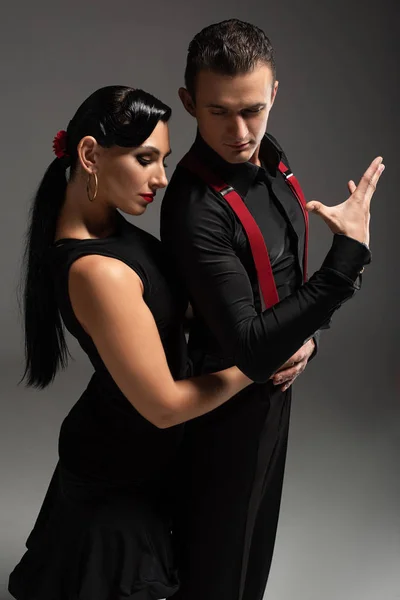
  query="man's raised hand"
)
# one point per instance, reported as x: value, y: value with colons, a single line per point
x: 352, y: 217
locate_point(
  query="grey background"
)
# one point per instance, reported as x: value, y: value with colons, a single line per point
x: 337, y: 108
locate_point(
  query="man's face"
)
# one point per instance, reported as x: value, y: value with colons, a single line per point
x: 232, y: 112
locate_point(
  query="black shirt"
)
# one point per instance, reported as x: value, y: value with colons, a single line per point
x: 275, y: 226
x: 208, y: 246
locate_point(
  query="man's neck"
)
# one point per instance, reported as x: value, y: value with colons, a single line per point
x: 255, y: 159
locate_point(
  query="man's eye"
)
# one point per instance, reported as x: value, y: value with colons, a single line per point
x: 254, y: 110
x: 143, y: 161
x: 217, y: 113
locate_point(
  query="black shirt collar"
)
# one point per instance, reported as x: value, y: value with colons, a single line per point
x: 240, y: 176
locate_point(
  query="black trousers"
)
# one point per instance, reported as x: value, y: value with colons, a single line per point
x: 228, y: 496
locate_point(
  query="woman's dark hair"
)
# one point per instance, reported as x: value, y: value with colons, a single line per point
x: 230, y: 47
x: 114, y: 115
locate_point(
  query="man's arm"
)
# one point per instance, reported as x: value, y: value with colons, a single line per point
x: 198, y: 233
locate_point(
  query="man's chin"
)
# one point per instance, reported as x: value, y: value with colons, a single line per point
x: 237, y: 157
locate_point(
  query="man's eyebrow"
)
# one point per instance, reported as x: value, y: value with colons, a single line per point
x: 257, y: 105
x: 251, y: 106
x: 154, y: 149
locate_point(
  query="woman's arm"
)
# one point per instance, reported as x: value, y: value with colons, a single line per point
x: 107, y: 299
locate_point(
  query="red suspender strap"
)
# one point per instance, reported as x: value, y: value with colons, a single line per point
x: 259, y: 250
x: 297, y: 191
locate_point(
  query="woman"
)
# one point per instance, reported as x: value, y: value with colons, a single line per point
x: 103, y: 531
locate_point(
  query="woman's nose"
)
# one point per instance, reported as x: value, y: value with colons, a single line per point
x: 160, y: 180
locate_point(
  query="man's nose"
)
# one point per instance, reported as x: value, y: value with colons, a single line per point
x: 238, y: 129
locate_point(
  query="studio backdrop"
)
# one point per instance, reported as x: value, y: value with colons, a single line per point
x: 337, y: 108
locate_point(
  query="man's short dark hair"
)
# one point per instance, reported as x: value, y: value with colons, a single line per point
x: 230, y: 47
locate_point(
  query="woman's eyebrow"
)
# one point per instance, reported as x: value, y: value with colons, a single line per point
x: 154, y: 149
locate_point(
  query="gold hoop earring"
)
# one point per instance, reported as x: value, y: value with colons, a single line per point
x: 96, y: 185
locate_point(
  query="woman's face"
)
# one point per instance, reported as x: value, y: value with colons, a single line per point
x: 128, y: 178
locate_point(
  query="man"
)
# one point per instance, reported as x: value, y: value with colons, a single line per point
x: 234, y: 184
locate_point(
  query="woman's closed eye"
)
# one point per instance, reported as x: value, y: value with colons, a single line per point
x: 145, y: 161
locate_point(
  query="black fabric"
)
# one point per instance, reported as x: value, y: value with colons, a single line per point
x: 231, y: 472
x: 269, y: 214
x: 104, y: 529
x: 232, y: 460
x: 94, y: 541
x: 209, y: 248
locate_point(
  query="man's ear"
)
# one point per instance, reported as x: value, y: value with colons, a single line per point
x: 274, y: 92
x: 187, y: 101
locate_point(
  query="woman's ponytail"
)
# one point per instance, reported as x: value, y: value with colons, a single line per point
x: 45, y: 347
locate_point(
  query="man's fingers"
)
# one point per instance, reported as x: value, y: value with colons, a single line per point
x: 288, y: 374
x: 327, y: 213
x: 297, y: 362
x: 352, y: 186
x: 321, y: 209
x: 298, y: 357
x: 287, y: 385
x: 369, y: 180
x: 374, y: 182
x: 292, y: 362
x: 288, y: 365
x: 314, y: 206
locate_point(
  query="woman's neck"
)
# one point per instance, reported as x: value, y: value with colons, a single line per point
x: 80, y: 218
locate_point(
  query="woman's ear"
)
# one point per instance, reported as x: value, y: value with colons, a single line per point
x: 88, y: 153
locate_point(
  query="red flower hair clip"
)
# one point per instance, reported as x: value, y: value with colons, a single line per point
x: 60, y: 144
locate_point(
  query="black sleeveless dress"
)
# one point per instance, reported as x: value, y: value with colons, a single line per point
x: 103, y: 532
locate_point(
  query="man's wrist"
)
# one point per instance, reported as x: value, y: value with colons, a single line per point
x: 347, y: 256
x: 315, y: 338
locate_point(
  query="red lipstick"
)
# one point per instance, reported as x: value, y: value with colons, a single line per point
x: 148, y: 197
